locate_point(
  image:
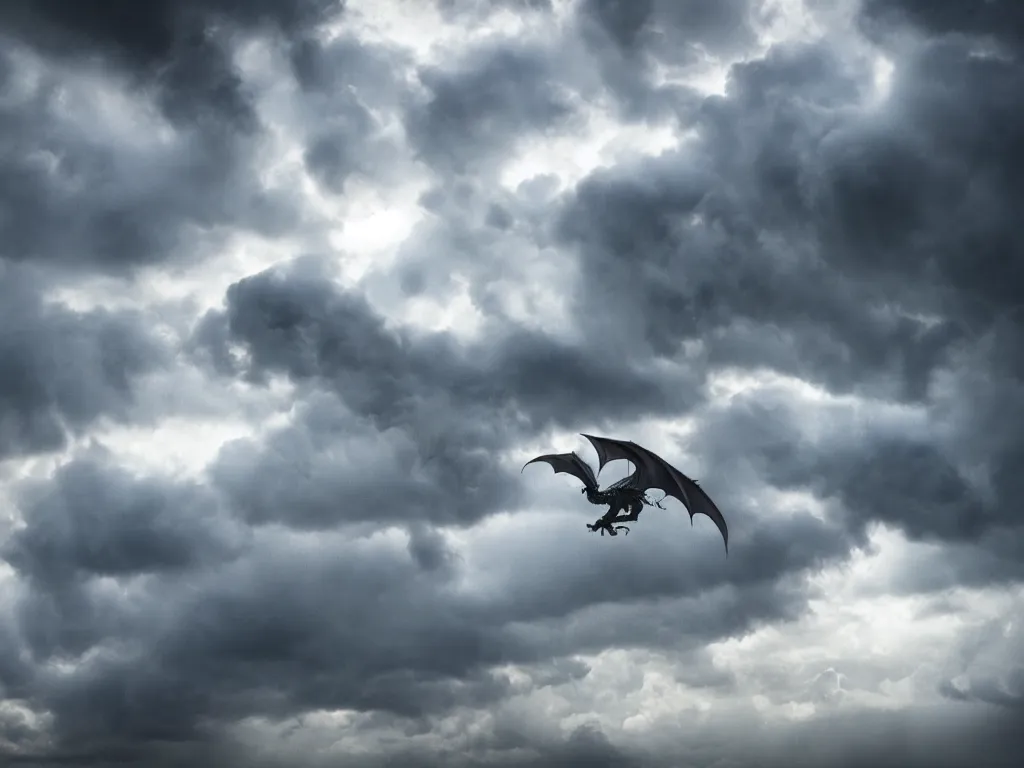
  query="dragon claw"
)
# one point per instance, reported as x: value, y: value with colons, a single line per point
x: 611, y: 530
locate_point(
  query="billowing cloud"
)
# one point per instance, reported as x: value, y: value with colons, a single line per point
x: 60, y: 369
x: 291, y: 291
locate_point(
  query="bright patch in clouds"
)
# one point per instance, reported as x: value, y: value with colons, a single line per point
x: 572, y: 157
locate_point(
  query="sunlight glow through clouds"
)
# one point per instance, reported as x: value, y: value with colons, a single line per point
x: 363, y: 224
x: 368, y: 230
x: 724, y: 384
x: 888, y: 638
x: 186, y: 445
x: 416, y: 26
x: 200, y: 287
x: 375, y: 223
x: 882, y: 70
x: 421, y: 28
x: 456, y: 314
x: 787, y: 20
x: 573, y: 156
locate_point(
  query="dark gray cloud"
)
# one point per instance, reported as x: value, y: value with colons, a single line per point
x: 877, y: 472
x: 116, y: 197
x: 111, y: 192
x: 251, y: 636
x: 446, y: 411
x: 492, y: 98
x: 186, y: 648
x: 61, y: 370
x: 992, y: 20
x: 349, y: 88
x: 670, y: 31
x: 94, y: 518
x: 707, y: 239
x: 375, y: 551
x: 468, y: 217
x: 629, y: 41
x: 867, y: 249
x: 180, y: 48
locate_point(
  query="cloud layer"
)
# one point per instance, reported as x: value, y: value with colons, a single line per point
x: 290, y: 291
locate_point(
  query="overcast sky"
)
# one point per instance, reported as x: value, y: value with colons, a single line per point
x: 289, y: 292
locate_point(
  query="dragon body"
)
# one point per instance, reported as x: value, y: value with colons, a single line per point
x: 627, y: 497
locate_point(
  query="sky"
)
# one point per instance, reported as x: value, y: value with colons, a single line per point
x: 290, y: 292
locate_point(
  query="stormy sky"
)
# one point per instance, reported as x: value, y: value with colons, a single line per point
x: 291, y: 289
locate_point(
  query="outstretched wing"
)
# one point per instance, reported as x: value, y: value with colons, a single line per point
x: 652, y: 471
x: 570, y: 464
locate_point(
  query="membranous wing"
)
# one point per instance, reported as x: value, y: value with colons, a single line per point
x: 570, y: 464
x: 652, y: 471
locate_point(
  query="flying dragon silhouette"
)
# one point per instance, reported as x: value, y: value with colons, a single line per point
x: 651, y: 471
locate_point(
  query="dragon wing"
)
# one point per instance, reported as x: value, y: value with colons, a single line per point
x: 570, y: 464
x: 652, y: 471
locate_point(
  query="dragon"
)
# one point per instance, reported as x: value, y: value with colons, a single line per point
x: 651, y: 472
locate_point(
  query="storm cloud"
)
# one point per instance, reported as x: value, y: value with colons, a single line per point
x: 290, y: 292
